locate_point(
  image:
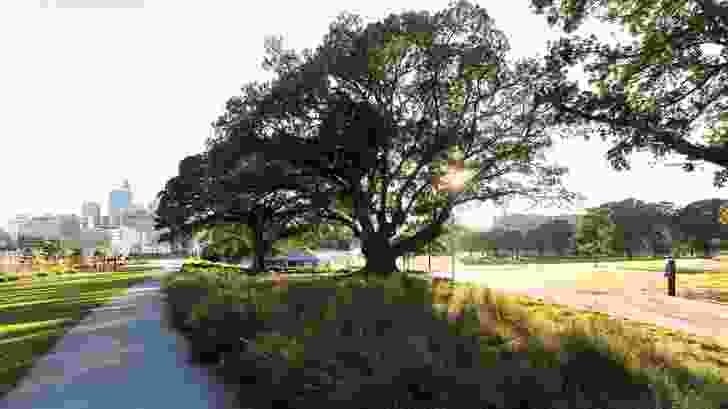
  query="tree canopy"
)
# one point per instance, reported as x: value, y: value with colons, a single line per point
x: 203, y: 195
x: 377, y: 113
x: 664, y: 91
x: 700, y: 220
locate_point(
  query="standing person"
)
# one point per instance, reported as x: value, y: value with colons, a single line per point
x: 670, y: 273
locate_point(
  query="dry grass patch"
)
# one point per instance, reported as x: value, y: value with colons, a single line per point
x: 641, y: 344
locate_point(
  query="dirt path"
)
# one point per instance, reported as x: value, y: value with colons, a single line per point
x: 634, y: 295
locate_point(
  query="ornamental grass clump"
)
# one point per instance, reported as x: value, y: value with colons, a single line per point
x: 380, y: 343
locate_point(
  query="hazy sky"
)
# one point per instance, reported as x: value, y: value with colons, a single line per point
x: 89, y: 97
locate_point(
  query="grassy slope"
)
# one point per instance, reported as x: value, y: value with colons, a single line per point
x: 35, y: 314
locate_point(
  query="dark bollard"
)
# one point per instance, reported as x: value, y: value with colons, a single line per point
x: 670, y: 273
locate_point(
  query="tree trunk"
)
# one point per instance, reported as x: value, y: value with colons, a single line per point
x: 381, y: 259
x: 259, y: 244
x: 628, y: 250
x: 259, y: 256
x: 381, y: 265
x: 707, y: 249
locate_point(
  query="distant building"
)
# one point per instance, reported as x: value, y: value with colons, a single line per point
x: 87, y: 222
x: 47, y: 227
x: 92, y: 238
x: 14, y: 225
x: 93, y: 210
x: 120, y: 199
x: 6, y: 242
x: 108, y: 221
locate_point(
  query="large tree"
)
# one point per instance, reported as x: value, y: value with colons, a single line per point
x: 202, y: 195
x: 594, y: 232
x: 535, y: 239
x: 700, y: 221
x: 665, y: 91
x: 472, y: 241
x: 512, y: 240
x: 380, y: 111
x: 638, y: 224
x: 630, y: 225
x: 232, y: 240
x: 558, y: 234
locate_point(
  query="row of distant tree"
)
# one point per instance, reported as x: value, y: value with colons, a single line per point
x: 626, y: 227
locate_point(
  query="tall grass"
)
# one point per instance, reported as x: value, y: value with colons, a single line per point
x: 397, y: 341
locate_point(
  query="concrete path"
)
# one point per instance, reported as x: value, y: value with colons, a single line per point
x: 122, y: 356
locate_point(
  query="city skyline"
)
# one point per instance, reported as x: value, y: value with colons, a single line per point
x: 129, y: 227
x: 92, y: 206
x: 185, y: 89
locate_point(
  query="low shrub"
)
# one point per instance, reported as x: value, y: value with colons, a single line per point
x: 311, y: 270
x: 475, y: 260
x: 380, y: 343
x: 212, y: 320
x: 204, y: 266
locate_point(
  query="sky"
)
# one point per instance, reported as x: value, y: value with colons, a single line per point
x: 90, y: 97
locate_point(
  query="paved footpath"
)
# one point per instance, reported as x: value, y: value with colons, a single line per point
x: 122, y: 356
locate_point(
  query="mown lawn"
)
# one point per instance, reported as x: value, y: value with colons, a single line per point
x: 35, y: 313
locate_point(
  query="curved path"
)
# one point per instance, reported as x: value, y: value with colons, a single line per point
x: 122, y: 356
x: 635, y: 295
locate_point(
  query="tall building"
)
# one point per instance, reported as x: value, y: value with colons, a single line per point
x: 110, y: 221
x: 120, y: 199
x: 46, y: 226
x: 5, y: 240
x: 15, y: 225
x: 70, y: 227
x: 38, y: 228
x: 93, y: 210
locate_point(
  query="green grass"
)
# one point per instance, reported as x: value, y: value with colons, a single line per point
x: 34, y: 314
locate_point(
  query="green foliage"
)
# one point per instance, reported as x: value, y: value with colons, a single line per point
x: 595, y: 233
x: 103, y: 248
x: 198, y: 265
x: 391, y: 346
x: 51, y: 248
x: 658, y: 88
x: 227, y: 239
x: 456, y: 58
